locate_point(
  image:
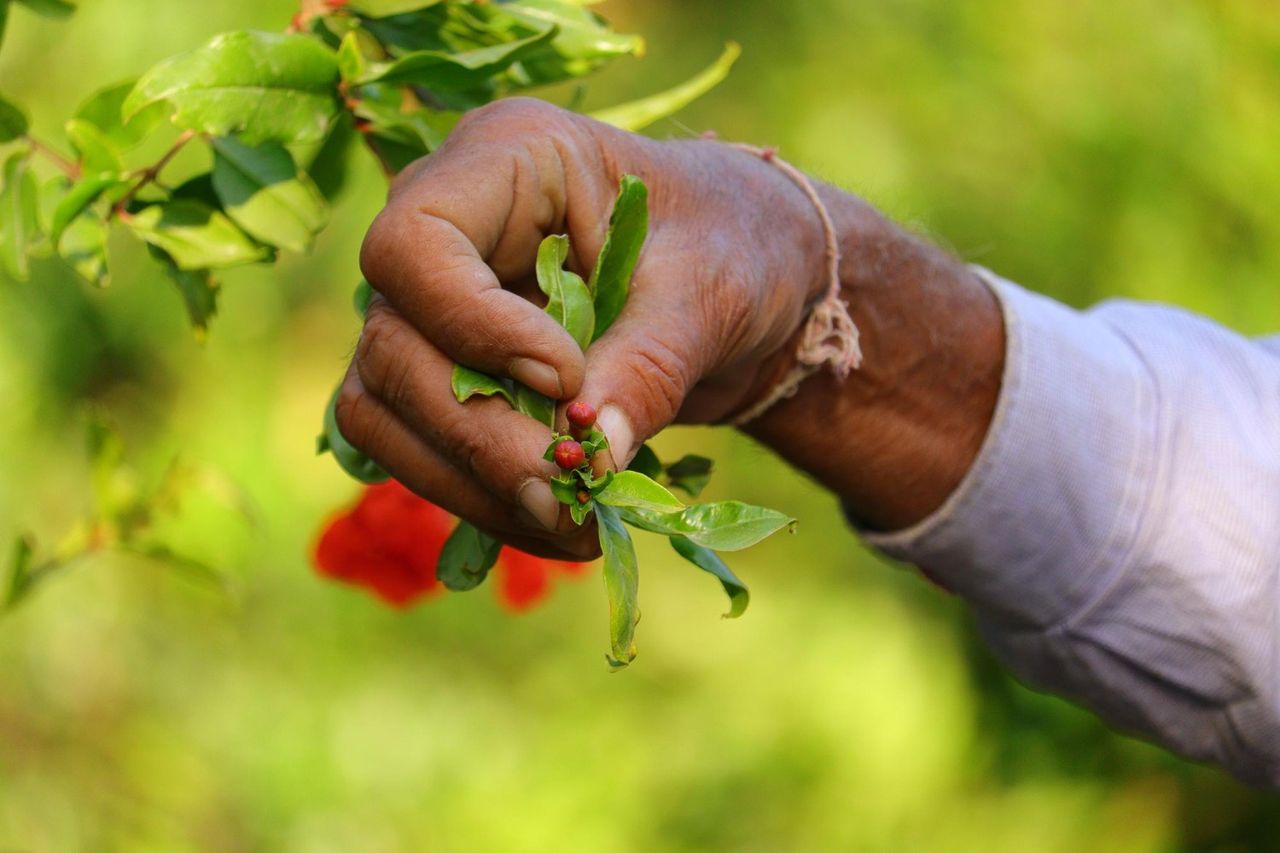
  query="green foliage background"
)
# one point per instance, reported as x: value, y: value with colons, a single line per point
x: 1089, y: 150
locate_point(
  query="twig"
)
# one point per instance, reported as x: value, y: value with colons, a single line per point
x: 149, y: 174
x: 72, y: 170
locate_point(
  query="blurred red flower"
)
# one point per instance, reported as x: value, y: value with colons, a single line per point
x: 390, y: 542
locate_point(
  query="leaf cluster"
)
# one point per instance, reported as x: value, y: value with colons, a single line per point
x: 633, y: 498
x: 277, y: 113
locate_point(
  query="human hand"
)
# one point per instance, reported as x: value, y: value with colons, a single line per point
x: 735, y: 255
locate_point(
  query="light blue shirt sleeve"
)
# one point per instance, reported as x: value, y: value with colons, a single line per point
x: 1119, y: 532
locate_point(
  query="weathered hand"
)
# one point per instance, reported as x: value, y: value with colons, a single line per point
x: 734, y: 255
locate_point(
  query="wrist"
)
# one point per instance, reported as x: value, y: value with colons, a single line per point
x: 896, y: 437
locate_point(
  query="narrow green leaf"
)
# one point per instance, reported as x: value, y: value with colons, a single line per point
x: 198, y: 289
x: 259, y: 86
x: 690, y: 474
x: 83, y: 246
x: 444, y: 71
x: 529, y: 402
x: 351, y: 61
x: 50, y: 8
x: 19, y: 215
x: 709, y: 561
x: 646, y: 462
x: 633, y: 489
x: 622, y: 583
x: 79, y: 196
x: 195, y: 235
x: 354, y: 462
x: 628, y: 227
x: 13, y: 121
x: 265, y: 193
x: 468, y: 383
x: 362, y: 297
x: 19, y: 571
x: 103, y: 110
x: 568, y: 300
x: 724, y: 526
x: 641, y: 113
x: 4, y: 18
x: 466, y: 558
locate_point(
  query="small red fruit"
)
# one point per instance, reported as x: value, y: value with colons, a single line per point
x: 569, y: 455
x: 584, y: 497
x: 581, y: 415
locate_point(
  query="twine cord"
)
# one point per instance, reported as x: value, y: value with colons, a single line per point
x: 830, y: 337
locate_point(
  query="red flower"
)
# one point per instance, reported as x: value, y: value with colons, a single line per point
x: 390, y: 542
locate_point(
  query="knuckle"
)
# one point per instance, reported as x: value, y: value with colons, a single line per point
x: 658, y: 374
x: 380, y: 360
x: 357, y: 416
x: 380, y: 246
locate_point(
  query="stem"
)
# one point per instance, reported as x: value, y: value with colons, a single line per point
x: 149, y: 174
x: 71, y: 170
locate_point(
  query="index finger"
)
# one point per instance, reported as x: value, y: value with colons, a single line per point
x: 470, y: 213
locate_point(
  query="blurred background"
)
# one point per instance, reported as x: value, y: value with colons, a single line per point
x: 1089, y: 150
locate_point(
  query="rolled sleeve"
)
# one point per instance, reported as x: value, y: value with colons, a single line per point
x: 1117, y: 533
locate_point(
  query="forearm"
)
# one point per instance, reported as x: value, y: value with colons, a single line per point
x: 896, y: 437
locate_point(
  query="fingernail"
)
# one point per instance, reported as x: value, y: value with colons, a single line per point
x: 617, y: 428
x: 536, y: 498
x: 538, y: 376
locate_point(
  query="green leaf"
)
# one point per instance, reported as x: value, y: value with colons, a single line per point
x: 84, y: 247
x: 354, y: 462
x: 362, y: 297
x: 103, y: 110
x: 50, y: 8
x: 641, y: 113
x: 568, y: 300
x: 724, y: 526
x: 579, y: 511
x: 263, y: 87
x: 468, y: 383
x: 198, y: 289
x: 96, y: 153
x: 19, y: 215
x: 4, y: 17
x: 622, y: 582
x: 351, y: 61
x: 628, y: 226
x: 565, y: 488
x: 79, y: 196
x: 582, y: 35
x: 386, y: 8
x: 195, y: 235
x: 13, y: 121
x: 709, y: 561
x: 646, y: 462
x: 443, y: 71
x: 265, y: 193
x: 529, y: 402
x: 635, y: 490
x: 690, y: 474
x: 467, y: 557
x: 20, y: 575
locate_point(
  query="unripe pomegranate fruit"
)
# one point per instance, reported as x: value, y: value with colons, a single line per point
x: 569, y: 455
x: 582, y: 415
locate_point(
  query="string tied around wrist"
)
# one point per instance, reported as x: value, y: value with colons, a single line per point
x: 829, y: 337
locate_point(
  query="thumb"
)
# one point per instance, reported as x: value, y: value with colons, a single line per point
x: 638, y: 375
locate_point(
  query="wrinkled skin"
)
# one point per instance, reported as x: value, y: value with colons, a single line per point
x: 734, y: 258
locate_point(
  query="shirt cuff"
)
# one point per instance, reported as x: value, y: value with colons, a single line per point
x: 1045, y: 517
